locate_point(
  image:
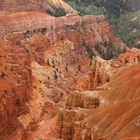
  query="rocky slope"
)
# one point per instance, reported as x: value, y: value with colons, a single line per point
x: 101, y: 114
x: 33, y: 5
x: 97, y: 34
x: 15, y: 86
x: 53, y: 54
x: 56, y: 83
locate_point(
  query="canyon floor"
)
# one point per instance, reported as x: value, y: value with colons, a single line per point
x: 65, y: 78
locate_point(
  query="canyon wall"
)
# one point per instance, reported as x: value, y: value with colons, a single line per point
x: 88, y: 31
x: 51, y: 64
x: 15, y: 86
x: 52, y: 48
x: 104, y: 118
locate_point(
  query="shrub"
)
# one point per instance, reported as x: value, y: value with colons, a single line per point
x: 87, y: 9
x: 3, y: 75
x: 126, y: 28
x: 56, y: 12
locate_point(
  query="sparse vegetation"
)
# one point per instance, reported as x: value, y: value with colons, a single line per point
x: 87, y: 9
x: 115, y: 8
x: 56, y: 12
x: 55, y: 75
x: 126, y: 61
x: 122, y: 15
x: 3, y: 75
x: 127, y: 27
x: 107, y: 53
x: 138, y: 57
x: 89, y: 50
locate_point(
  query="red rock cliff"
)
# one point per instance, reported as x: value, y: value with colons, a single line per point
x: 15, y: 85
x: 54, y: 48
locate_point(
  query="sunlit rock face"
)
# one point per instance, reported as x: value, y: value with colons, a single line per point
x: 92, y: 32
x: 130, y: 57
x: 15, y: 86
x: 86, y: 99
x: 107, y: 118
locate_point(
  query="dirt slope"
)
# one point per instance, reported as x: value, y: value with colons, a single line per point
x: 119, y: 119
x: 32, y: 5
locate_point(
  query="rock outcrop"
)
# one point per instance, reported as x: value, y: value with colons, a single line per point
x: 67, y: 120
x: 50, y: 64
x: 86, y: 99
x: 110, y: 120
x: 33, y: 5
x: 15, y: 86
x: 130, y: 57
x: 93, y: 33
